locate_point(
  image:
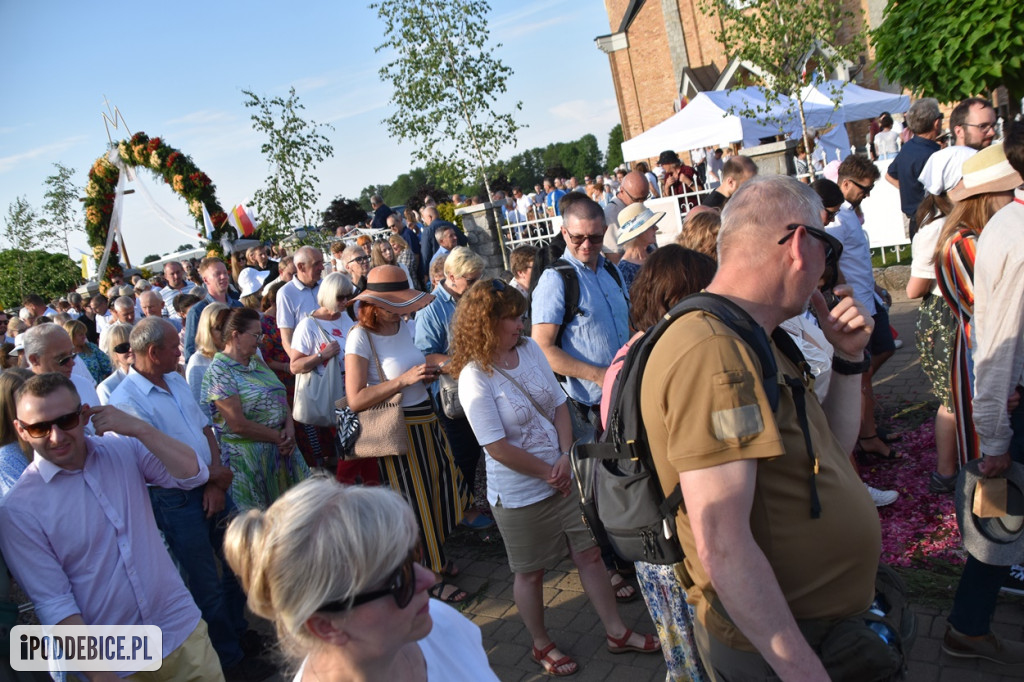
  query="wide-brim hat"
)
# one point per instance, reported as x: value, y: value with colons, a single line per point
x: 986, y: 171
x: 19, y: 344
x: 997, y: 541
x: 669, y: 156
x: 634, y: 220
x: 251, y: 280
x: 388, y: 287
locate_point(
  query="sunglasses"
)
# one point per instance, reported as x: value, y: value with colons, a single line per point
x: 360, y: 260
x: 578, y: 239
x: 830, y: 216
x: 66, y: 359
x: 863, y: 188
x: 64, y: 422
x: 401, y: 585
x: 833, y: 247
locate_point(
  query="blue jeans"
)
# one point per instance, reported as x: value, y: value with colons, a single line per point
x: 975, y: 599
x: 198, y: 544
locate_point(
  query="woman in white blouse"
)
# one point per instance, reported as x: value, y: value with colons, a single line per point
x: 519, y: 415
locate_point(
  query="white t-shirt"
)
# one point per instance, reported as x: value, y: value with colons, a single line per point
x: 497, y: 409
x: 923, y: 249
x: 453, y: 651
x: 397, y: 353
x: 308, y: 337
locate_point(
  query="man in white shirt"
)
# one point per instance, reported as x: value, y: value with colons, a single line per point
x: 297, y: 299
x: 48, y: 348
x: 857, y: 177
x: 177, y: 283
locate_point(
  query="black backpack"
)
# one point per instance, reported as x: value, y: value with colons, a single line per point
x: 618, y: 484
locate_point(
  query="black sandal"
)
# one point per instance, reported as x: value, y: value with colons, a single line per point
x: 456, y: 597
x: 892, y: 456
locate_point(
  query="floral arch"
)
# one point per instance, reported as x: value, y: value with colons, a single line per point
x: 169, y: 164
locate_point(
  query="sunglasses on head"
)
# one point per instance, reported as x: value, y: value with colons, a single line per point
x: 401, y: 585
x: 65, y: 422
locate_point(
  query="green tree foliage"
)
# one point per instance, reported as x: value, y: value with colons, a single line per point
x: 23, y: 229
x: 780, y: 37
x: 61, y: 206
x: 184, y: 247
x: 614, y: 148
x: 150, y: 258
x: 446, y: 81
x: 293, y: 149
x: 50, y: 275
x: 342, y: 212
x: 952, y: 51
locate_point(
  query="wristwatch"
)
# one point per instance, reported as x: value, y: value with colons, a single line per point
x: 320, y: 355
x: 848, y: 367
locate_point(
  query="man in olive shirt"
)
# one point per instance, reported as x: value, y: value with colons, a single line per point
x: 759, y: 556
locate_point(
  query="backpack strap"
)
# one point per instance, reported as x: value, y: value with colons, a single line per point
x: 571, y: 296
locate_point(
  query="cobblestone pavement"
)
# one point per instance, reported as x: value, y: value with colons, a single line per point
x: 574, y: 625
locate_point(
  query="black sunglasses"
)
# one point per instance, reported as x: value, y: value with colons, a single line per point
x: 401, y: 585
x: 65, y: 422
x: 830, y: 216
x: 833, y: 247
x: 360, y: 259
x: 863, y: 188
x: 578, y: 239
x: 66, y: 359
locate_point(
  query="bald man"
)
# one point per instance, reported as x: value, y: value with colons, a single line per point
x: 633, y: 188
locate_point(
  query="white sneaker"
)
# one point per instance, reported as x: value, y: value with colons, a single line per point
x: 882, y: 498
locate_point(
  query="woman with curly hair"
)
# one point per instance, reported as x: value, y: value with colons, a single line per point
x: 518, y: 412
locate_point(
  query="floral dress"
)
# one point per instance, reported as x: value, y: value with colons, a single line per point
x: 96, y: 361
x: 262, y: 473
x: 273, y: 351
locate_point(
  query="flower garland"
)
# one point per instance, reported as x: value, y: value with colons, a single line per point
x: 176, y: 169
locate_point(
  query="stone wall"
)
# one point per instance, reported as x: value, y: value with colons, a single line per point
x: 480, y: 222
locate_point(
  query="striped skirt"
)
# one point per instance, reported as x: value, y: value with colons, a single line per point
x: 428, y: 479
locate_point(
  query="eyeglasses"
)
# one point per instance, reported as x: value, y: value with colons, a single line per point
x: 401, y: 585
x: 578, y: 239
x: 830, y: 215
x: 362, y: 260
x: 983, y: 127
x: 634, y: 199
x: 259, y: 335
x: 66, y: 359
x: 866, y: 190
x: 833, y: 247
x: 64, y: 422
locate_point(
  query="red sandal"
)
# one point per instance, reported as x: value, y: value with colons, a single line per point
x: 621, y: 645
x: 551, y: 666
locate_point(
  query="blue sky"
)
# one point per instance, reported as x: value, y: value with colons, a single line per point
x: 176, y: 70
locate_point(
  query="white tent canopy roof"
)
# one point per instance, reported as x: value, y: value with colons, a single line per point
x: 706, y: 120
x: 857, y: 103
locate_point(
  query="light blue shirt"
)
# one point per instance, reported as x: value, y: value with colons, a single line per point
x: 175, y: 413
x: 599, y: 330
x: 440, y: 253
x: 12, y: 463
x: 434, y: 321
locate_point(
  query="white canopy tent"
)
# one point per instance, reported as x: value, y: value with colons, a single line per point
x: 857, y: 103
x: 706, y: 120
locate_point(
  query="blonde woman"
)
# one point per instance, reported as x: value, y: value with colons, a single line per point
x: 120, y: 356
x: 208, y: 344
x: 334, y: 568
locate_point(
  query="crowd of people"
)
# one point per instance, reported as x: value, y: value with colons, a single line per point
x: 195, y: 412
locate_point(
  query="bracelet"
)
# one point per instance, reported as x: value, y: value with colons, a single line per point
x: 849, y: 367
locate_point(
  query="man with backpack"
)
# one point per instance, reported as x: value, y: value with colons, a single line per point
x: 779, y: 534
x: 580, y: 311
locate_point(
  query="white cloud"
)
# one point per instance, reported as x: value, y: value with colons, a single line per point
x: 202, y: 117
x: 10, y: 162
